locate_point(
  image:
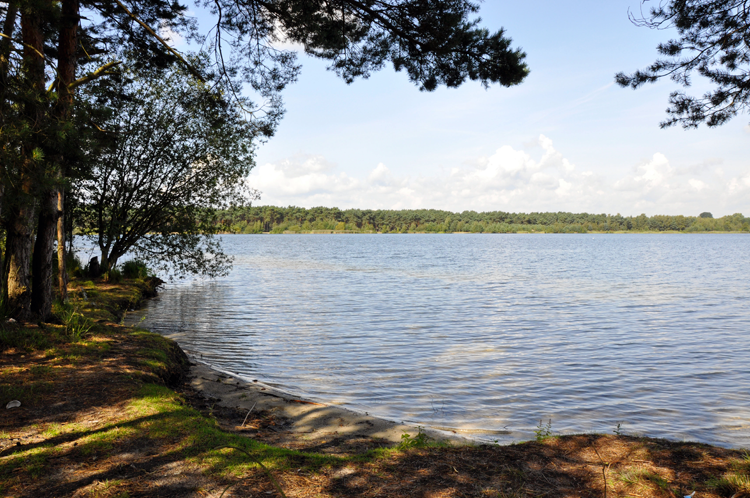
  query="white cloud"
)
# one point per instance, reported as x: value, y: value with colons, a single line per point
x: 507, y: 180
x: 697, y: 184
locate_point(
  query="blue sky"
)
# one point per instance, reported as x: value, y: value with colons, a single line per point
x: 567, y: 139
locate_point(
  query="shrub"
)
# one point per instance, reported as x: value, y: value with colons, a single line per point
x: 135, y: 269
x: 73, y: 264
x: 113, y: 276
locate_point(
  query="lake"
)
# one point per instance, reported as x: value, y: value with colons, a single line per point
x: 488, y: 334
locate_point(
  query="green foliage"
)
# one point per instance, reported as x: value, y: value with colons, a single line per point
x: 149, y: 193
x: 135, y: 268
x: 421, y: 440
x: 618, y: 429
x: 257, y: 219
x: 436, y: 43
x: 711, y: 41
x: 76, y: 324
x: 74, y: 265
x: 543, y: 431
x: 113, y: 276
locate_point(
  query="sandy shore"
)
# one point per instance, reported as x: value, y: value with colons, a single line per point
x: 300, y: 419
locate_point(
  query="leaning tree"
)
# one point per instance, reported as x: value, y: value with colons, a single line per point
x: 172, y: 150
x: 50, y: 50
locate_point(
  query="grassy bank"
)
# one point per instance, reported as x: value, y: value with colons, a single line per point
x: 105, y: 412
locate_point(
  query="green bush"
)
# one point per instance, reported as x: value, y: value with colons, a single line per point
x: 73, y: 265
x: 113, y: 276
x: 135, y: 269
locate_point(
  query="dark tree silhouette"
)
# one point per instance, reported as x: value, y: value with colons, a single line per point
x: 714, y: 42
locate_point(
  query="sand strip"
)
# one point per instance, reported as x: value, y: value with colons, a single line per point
x: 300, y: 418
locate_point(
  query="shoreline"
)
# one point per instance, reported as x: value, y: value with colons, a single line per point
x: 520, y: 232
x: 301, y: 418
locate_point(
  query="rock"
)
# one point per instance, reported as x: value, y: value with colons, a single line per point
x: 13, y: 404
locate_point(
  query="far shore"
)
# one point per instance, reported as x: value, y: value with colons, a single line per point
x: 535, y: 232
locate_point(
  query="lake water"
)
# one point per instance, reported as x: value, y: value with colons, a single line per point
x: 488, y: 334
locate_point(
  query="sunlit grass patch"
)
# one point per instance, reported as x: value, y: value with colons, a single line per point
x: 159, y: 413
x: 53, y: 430
x: 104, y: 440
x: 153, y: 353
x: 730, y: 484
x: 741, y: 465
x: 107, y: 488
x: 32, y: 461
x: 634, y: 477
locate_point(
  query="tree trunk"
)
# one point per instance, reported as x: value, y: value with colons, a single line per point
x: 62, y: 270
x: 42, y: 274
x: 18, y: 262
x: 9, y: 25
x: 66, y: 71
x: 19, y: 239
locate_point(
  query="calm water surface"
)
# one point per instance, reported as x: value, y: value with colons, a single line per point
x: 488, y: 334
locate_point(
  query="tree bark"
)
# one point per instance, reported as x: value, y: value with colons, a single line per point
x: 67, y: 63
x: 42, y: 271
x: 51, y: 220
x: 9, y: 25
x: 18, y: 262
x: 19, y: 238
x: 62, y: 270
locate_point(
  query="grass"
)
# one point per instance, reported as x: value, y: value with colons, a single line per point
x: 736, y: 480
x: 75, y: 323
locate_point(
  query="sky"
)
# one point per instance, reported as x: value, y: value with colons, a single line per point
x: 567, y: 139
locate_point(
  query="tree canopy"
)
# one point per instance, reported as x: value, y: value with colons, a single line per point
x: 172, y: 150
x: 292, y: 219
x: 435, y: 41
x: 713, y: 41
x: 51, y: 51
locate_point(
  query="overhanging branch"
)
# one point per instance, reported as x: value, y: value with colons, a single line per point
x: 163, y: 42
x: 102, y: 71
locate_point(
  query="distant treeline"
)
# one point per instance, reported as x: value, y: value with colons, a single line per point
x: 296, y: 219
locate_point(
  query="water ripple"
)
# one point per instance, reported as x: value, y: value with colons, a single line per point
x: 488, y: 333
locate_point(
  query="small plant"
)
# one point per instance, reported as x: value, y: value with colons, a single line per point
x: 618, y: 429
x: 421, y: 440
x: 76, y: 325
x: 543, y: 431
